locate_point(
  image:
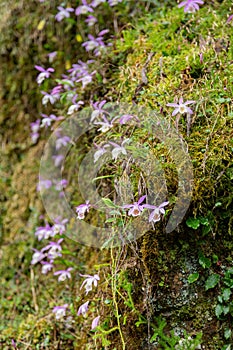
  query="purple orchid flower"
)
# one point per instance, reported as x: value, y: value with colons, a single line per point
x: 136, y: 208
x: 59, y: 227
x: 86, y: 79
x: 47, y: 120
x: 37, y: 256
x: 57, y: 90
x: 98, y: 110
x: 105, y: 126
x: 45, y: 73
x: 63, y: 13
x: 44, y: 232
x: 48, y: 98
x: 95, y: 43
x: 75, y: 106
x: 91, y: 44
x: 118, y: 149
x: 230, y: 18
x: 95, y: 322
x: 191, y: 5
x: 89, y: 281
x: 91, y: 20
x: 60, y: 311
x: 58, y: 159
x: 156, y: 211
x: 82, y: 209
x: 96, y: 3
x: 63, y: 274
x: 62, y: 141
x: 68, y: 85
x: 54, y: 249
x: 59, y: 185
x: 83, y: 309
x: 83, y: 9
x: 47, y: 266
x: 127, y: 117
x: 44, y: 184
x: 80, y: 69
x: 51, y: 56
x: 13, y: 343
x: 35, y: 127
x: 181, y: 107
x: 100, y: 151
x: 34, y: 137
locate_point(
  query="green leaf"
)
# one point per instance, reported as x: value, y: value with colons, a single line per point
x: 218, y: 204
x: 71, y: 21
x: 124, y: 320
x: 99, y: 78
x: 115, y: 212
x: 109, y: 241
x: 105, y: 342
x: 109, y: 203
x: 206, y: 229
x: 204, y: 221
x: 226, y: 309
x: 227, y: 333
x: 154, y: 337
x: 226, y: 294
x: 204, y: 262
x: 193, y: 223
x: 226, y: 347
x: 218, y: 310
x: 110, y: 220
x: 138, y: 323
x: 223, y: 100
x: 101, y: 177
x: 229, y: 173
x: 230, y: 270
x: 193, y: 277
x: 212, y: 281
x: 228, y: 280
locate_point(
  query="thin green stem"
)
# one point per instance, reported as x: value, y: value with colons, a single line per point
x: 114, y: 298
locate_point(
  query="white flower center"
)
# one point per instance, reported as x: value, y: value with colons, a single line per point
x: 84, y: 9
x: 182, y: 109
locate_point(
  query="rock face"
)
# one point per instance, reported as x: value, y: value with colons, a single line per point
x: 168, y: 272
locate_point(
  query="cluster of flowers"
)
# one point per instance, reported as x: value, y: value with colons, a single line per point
x: 116, y: 150
x: 102, y: 114
x: 179, y: 108
x: 84, y: 9
x: 58, y: 185
x: 135, y: 209
x: 46, y: 257
x: 79, y: 72
x: 83, y: 73
x: 60, y: 311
